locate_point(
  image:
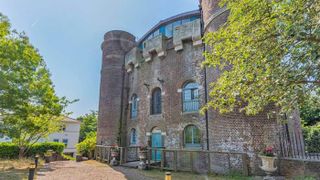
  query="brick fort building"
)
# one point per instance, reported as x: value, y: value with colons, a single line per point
x: 151, y: 91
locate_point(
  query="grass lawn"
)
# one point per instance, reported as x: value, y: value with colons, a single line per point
x: 157, y: 174
x: 15, y: 169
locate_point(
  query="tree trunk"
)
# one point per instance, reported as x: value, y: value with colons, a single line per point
x: 21, y: 152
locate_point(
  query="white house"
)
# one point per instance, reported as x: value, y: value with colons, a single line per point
x: 69, y: 135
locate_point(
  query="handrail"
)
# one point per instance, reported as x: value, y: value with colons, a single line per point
x: 163, y: 148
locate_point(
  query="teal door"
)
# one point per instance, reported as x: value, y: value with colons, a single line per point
x: 156, y: 143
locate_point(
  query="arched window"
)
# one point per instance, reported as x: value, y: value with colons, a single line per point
x: 134, y: 106
x: 156, y: 101
x: 190, y: 97
x: 133, y: 137
x: 192, y: 136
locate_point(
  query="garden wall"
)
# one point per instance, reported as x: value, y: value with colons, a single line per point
x: 298, y: 167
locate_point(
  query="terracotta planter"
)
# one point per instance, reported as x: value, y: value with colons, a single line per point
x: 114, y: 153
x: 268, y: 164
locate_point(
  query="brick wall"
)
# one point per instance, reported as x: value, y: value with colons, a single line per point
x: 175, y: 69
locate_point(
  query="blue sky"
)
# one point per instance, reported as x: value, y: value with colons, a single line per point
x: 68, y: 34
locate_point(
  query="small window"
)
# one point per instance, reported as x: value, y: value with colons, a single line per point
x: 190, y: 97
x: 156, y: 33
x: 63, y: 127
x: 133, y: 137
x: 65, y: 142
x: 192, y: 136
x: 185, y: 21
x: 134, y: 106
x: 156, y: 101
x: 176, y: 24
x: 168, y: 30
x: 55, y: 140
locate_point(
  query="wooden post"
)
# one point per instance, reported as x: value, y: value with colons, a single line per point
x: 36, y: 160
x: 191, y: 161
x: 121, y: 155
x: 103, y: 154
x: 245, y: 165
x: 149, y: 157
x: 31, y: 173
x: 125, y: 154
x: 175, y: 160
x: 162, y: 159
x: 109, y: 154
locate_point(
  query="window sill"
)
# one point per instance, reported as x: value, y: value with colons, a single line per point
x: 192, y: 147
x: 156, y: 114
x: 190, y: 112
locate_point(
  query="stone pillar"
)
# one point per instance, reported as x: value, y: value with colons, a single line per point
x: 111, y: 103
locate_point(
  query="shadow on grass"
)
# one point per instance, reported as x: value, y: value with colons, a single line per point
x: 14, y: 174
x: 135, y: 174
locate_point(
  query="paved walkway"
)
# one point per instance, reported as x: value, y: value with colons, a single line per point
x: 87, y: 170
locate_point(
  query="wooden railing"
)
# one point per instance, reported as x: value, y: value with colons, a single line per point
x: 199, y: 161
x: 126, y: 154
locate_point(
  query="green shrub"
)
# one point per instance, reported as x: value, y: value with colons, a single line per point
x: 68, y: 157
x: 312, y: 138
x: 8, y: 150
x: 11, y: 150
x: 41, y: 148
x: 87, y: 146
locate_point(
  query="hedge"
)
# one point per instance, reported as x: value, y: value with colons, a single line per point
x: 11, y: 150
x: 8, y: 150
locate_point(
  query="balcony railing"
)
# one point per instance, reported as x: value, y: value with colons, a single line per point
x: 191, y: 105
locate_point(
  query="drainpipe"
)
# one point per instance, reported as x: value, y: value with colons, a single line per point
x: 205, y: 77
x: 121, y: 104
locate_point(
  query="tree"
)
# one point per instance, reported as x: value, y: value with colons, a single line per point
x: 28, y: 104
x: 88, y: 124
x: 312, y: 138
x: 268, y: 53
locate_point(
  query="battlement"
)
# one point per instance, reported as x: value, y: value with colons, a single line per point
x: 178, y: 29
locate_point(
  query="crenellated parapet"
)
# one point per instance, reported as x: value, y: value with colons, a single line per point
x: 133, y: 59
x: 187, y: 31
x: 156, y: 44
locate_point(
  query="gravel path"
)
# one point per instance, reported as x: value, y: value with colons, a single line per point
x: 87, y: 170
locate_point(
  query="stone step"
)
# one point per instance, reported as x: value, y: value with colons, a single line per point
x: 133, y: 164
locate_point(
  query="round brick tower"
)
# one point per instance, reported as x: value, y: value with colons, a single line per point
x: 114, y: 47
x: 240, y: 133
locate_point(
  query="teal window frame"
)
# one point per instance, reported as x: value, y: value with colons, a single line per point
x: 192, y: 136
